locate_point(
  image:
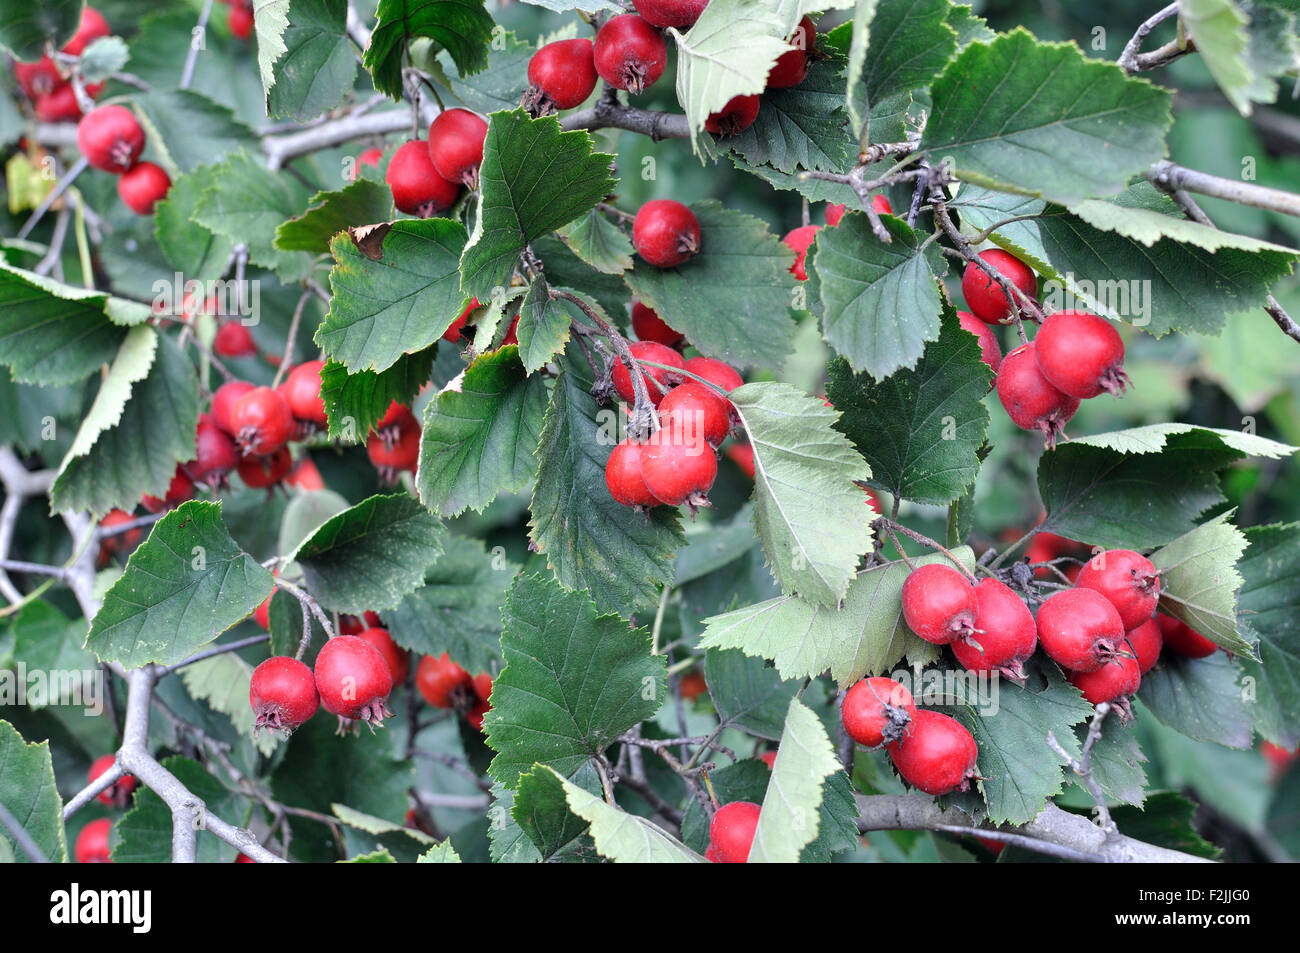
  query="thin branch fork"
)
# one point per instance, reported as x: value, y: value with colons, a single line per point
x: 1133, y: 61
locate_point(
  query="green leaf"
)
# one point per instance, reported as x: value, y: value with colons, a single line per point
x: 622, y: 837
x: 879, y: 303
x: 146, y: 830
x: 1269, y: 602
x: 1083, y: 134
x: 271, y: 22
x: 354, y: 403
x: 747, y: 693
x: 1117, y: 763
x: 1218, y: 30
x: 969, y: 27
x: 478, y: 441
x: 462, y: 27
x: 598, y: 242
x: 442, y: 853
x: 400, y: 304
x: 733, y: 299
x: 46, y: 640
x: 864, y: 13
x: 361, y: 203
x: 1167, y: 819
x: 1200, y: 698
x: 789, y: 820
x: 541, y: 811
x: 25, y: 28
x: 28, y: 790
x: 1199, y: 582
x: 564, y: 269
x: 318, y: 67
x: 223, y: 682
x: 980, y: 209
x: 305, y: 513
x: 803, y: 126
x: 246, y: 202
x: 911, y: 41
x: 500, y: 85
x: 919, y: 430
x: 1154, y: 438
x: 185, y: 585
x: 190, y: 129
x: 809, y: 515
x: 371, y: 556
x: 534, y: 179
x: 574, y: 681
x: 102, y: 58
x: 190, y: 248
x: 1274, y: 50
x: 544, y: 324
x: 590, y: 541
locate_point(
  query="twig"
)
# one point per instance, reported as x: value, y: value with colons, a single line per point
x: 215, y: 650
x: 21, y: 837
x: 55, y: 193
x: 1131, y: 61
x: 1082, y: 766
x: 196, y: 44
x: 290, y: 340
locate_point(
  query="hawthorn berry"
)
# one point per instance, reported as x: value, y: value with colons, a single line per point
x: 1128, y: 579
x: 1114, y: 682
x: 741, y: 453
x: 678, y: 13
x: 417, y: 187
x: 143, y: 186
x: 262, y: 420
x: 1028, y: 397
x: 443, y: 683
x: 938, y: 603
x: 111, y: 139
x: 456, y: 145
x: 937, y: 756
x: 180, y: 489
x: 262, y: 614
x: 699, y: 409
x: 393, y: 653
x: 397, y: 415
x: 353, y: 679
x: 648, y: 326
x: 1081, y: 354
x: 735, y: 117
x: 1146, y: 641
x: 92, y: 27
x: 302, y: 393
x: 40, y: 78
x: 452, y: 334
x: 1080, y: 629
x: 117, y: 794
x: 623, y: 475
x: 259, y: 471
x: 718, y: 373
x: 223, y: 400
x: 1182, y: 639
x: 834, y: 212
x: 282, y: 693
x: 1278, y: 758
x: 115, y: 543
x: 648, y: 351
x: 233, y: 340
x: 59, y: 105
x: 561, y: 75
x: 990, y: 353
x: 731, y: 832
x: 692, y: 685
x: 769, y: 759
x: 984, y: 296
x: 240, y: 20
x: 629, y: 53
x: 792, y: 66
x: 392, y: 456
x: 799, y: 241
x: 214, y: 453
x: 678, y: 465
x: 92, y: 842
x: 877, y: 711
x: 1005, y: 635
x: 666, y: 233
x: 482, y: 704
x: 371, y: 157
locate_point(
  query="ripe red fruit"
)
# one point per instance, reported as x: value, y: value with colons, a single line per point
x: 118, y: 542
x: 1081, y: 354
x: 1146, y: 641
x: 110, y: 138
x: 224, y: 400
x: 700, y: 410
x: 877, y: 711
x: 1278, y: 758
x: 741, y: 453
x: 456, y: 145
x: 731, y: 832
x: 117, y: 794
x: 240, y: 20
x: 353, y: 679
x: 650, y: 327
x: 302, y: 392
x: 1080, y: 629
x: 372, y: 157
x: 59, y: 104
x: 262, y: 420
x: 417, y: 187
x: 214, y: 453
x: 799, y: 241
x: 561, y: 75
x: 834, y: 212
x: 678, y: 465
x: 92, y: 842
x: 91, y: 28
x: 1005, y: 635
x: 443, y: 683
x: 483, y: 694
x: 1029, y: 399
x: 1127, y: 579
x: 984, y: 296
x: 261, y: 471
x: 39, y: 79
x: 692, y: 685
x: 678, y: 13
x: 629, y: 53
x: 792, y: 66
x: 180, y: 489
x: 391, y: 456
x: 142, y: 187
x: 735, y: 117
x: 1113, y: 682
x: 938, y: 603
x: 452, y: 334
x: 990, y: 353
x: 262, y: 614
x: 233, y: 340
x: 1182, y: 638
x: 623, y: 476
x: 648, y: 351
x: 881, y: 205
x: 282, y: 693
x: 393, y: 653
x: 720, y: 374
x: 937, y: 756
x: 665, y: 232
x: 397, y: 415
x: 769, y: 759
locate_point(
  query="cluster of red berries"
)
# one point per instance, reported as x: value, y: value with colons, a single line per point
x: 112, y: 139
x: 239, y: 18
x: 52, y: 95
x: 426, y: 177
x: 800, y: 239
x: 92, y: 843
x: 444, y: 684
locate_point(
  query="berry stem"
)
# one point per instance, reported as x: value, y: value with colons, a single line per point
x: 286, y: 360
x: 891, y: 526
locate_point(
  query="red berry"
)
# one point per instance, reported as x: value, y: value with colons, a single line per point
x: 372, y: 157
x: 240, y: 20
x: 302, y: 392
x: 881, y: 205
x: 650, y: 327
x: 990, y: 353
x: 984, y: 296
x: 59, y: 105
x: 834, y: 213
x: 223, y: 401
x: 512, y: 333
x: 692, y: 685
x: 721, y: 375
x: 233, y: 340
x: 561, y: 75
x: 353, y: 679
x: 1081, y: 354
x: 92, y: 842
x: 391, y: 456
x: 110, y: 138
x: 877, y: 711
x: 1005, y: 635
x: 629, y: 53
x: 40, y: 78
x: 648, y: 351
x: 214, y: 453
x: 1080, y: 629
x: 443, y: 683
x: 678, y: 465
x: 1146, y: 641
x: 1128, y: 580
x: 456, y: 145
x: 91, y: 28
x: 937, y: 756
x: 1029, y: 399
x: 938, y: 603
x: 262, y: 420
x: 799, y: 240
x: 483, y: 692
x: 678, y: 13
x: 731, y: 832
x: 742, y: 455
x: 417, y: 187
x: 118, y: 542
x: 117, y: 794
x: 452, y: 334
x: 180, y: 489
x: 261, y: 471
x: 792, y: 66
x: 1113, y: 682
x: 1278, y: 758
x: 393, y: 653
x: 262, y: 614
x: 623, y: 476
x: 700, y: 410
x: 142, y: 187
x: 244, y: 859
x: 282, y: 693
x: 397, y: 415
x: 1182, y: 638
x: 735, y: 117
x: 711, y: 855
x: 769, y: 759
x: 666, y: 233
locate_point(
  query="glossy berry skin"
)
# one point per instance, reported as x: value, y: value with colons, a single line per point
x: 452, y: 334
x: 1182, y: 639
x: 260, y: 472
x: 1005, y: 635
x: 417, y: 187
x: 143, y: 186
x: 353, y: 679
x: 262, y: 614
x: 214, y: 454
x: 792, y: 66
x: 648, y: 351
x: 391, y: 457
x: 39, y: 79
x: 799, y: 241
x: 302, y: 392
x: 1081, y: 354
x: 699, y: 409
x: 1028, y: 397
x: 629, y: 53
x: 117, y: 794
x: 240, y: 20
x: 836, y: 212
x: 561, y: 75
x: 443, y: 683
x: 650, y: 327
x: 1112, y: 682
x: 938, y: 603
x: 456, y: 145
x: 223, y: 401
x: 990, y: 353
x: 92, y: 27
x: 1080, y: 629
x: 666, y: 233
x: 59, y: 105
x: 110, y: 138
x: 180, y: 489
x: 262, y: 420
x: 233, y: 340
x: 731, y: 832
x: 877, y: 711
x: 92, y: 842
x: 718, y: 373
x: 735, y: 117
x: 1128, y: 579
x: 678, y: 13
x: 984, y: 296
x: 623, y: 476
x: 678, y: 465
x: 1145, y: 641
x: 282, y: 693
x: 769, y: 759
x: 937, y: 756
x: 397, y: 415
x: 393, y: 653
